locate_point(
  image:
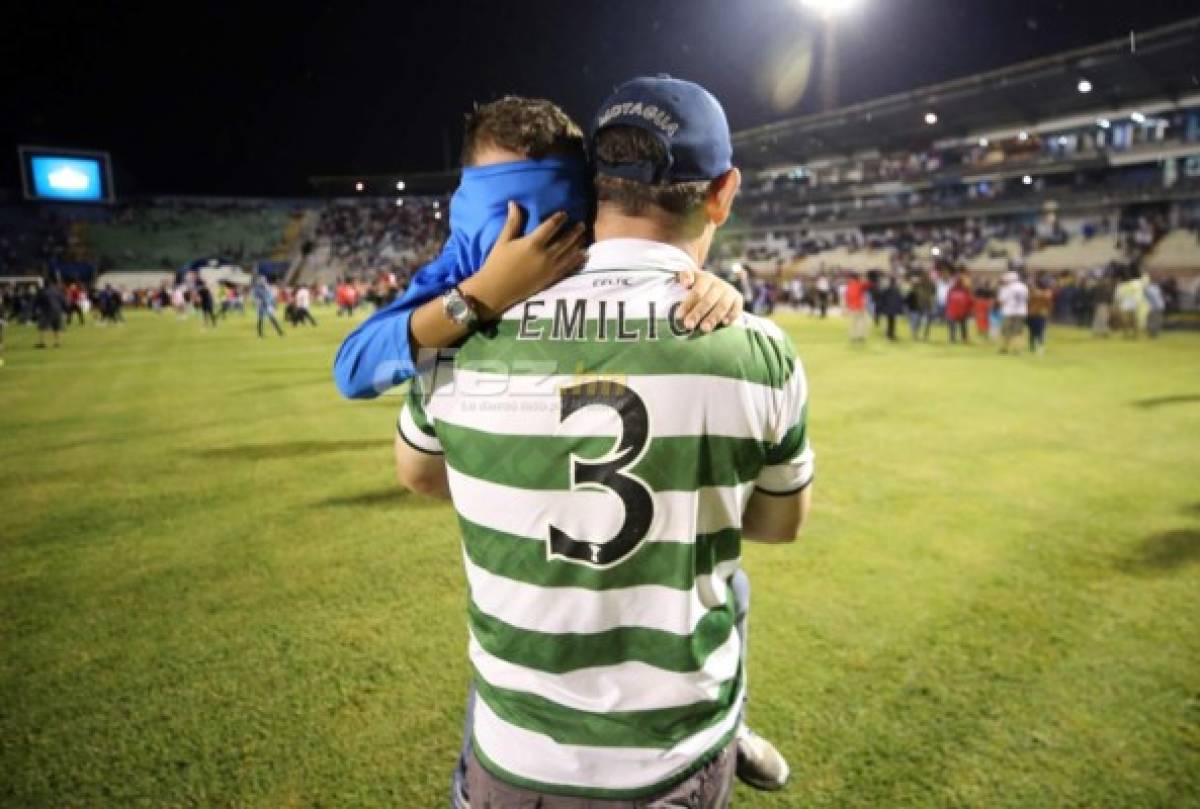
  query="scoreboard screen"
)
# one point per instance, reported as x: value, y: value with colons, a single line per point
x: 59, y: 175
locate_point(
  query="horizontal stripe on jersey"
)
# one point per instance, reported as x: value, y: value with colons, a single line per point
x: 662, y: 562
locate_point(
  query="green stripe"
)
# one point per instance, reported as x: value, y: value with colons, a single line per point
x: 416, y: 406
x: 731, y: 353
x: 666, y: 564
x: 560, y: 653
x: 595, y: 792
x: 793, y: 442
x: 671, y: 463
x: 659, y: 729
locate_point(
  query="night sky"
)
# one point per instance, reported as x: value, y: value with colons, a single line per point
x: 234, y: 98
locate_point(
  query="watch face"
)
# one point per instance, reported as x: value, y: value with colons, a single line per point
x: 457, y: 308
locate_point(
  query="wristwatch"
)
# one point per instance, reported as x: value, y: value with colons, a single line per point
x: 460, y: 308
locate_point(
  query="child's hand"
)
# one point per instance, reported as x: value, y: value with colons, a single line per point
x: 710, y: 300
x: 517, y: 268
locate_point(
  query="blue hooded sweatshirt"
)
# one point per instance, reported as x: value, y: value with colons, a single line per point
x: 377, y: 355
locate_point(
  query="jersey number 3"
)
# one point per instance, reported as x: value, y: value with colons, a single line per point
x: 609, y: 474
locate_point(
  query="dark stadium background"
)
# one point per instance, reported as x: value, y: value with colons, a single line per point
x: 234, y: 98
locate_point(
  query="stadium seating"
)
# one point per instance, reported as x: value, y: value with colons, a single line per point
x: 166, y: 235
x: 1077, y: 254
x: 1178, y: 251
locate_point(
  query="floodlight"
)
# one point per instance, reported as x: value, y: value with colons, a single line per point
x: 830, y: 8
x: 399, y: 185
x: 436, y: 204
x: 358, y: 186
x: 1084, y: 86
x: 983, y: 143
x: 1103, y: 123
x: 437, y: 214
x: 1027, y: 180
x: 1138, y: 118
x: 399, y: 203
x: 931, y: 118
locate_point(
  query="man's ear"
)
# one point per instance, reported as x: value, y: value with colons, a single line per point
x: 721, y: 193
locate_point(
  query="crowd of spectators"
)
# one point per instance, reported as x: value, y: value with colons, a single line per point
x: 1116, y: 299
x: 381, y: 236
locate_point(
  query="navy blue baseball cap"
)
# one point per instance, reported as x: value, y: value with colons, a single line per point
x: 683, y: 116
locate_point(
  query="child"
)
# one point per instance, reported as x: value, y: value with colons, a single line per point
x: 515, y: 150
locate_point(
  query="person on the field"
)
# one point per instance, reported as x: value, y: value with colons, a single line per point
x: 207, y: 312
x: 823, y: 295
x: 264, y: 302
x: 1013, y: 299
x: 560, y: 582
x: 1130, y: 297
x: 941, y: 291
x: 856, y: 305
x: 1041, y: 304
x: 959, y: 305
x: 529, y: 152
x: 75, y: 296
x: 347, y: 299
x: 1156, y: 305
x: 302, y: 300
x: 981, y: 307
x: 889, y: 303
x: 49, y: 304
x: 920, y: 302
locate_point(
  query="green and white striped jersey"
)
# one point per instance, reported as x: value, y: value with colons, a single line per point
x: 600, y: 458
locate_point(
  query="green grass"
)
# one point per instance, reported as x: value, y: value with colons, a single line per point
x: 212, y: 593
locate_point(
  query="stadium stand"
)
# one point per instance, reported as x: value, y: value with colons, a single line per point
x: 1018, y: 170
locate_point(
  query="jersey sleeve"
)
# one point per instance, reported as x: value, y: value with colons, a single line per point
x: 415, y: 427
x: 788, y: 466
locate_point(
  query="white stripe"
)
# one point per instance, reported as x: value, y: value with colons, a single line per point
x: 539, y: 758
x: 789, y: 475
x: 541, y: 609
x: 595, y: 516
x: 629, y: 686
x: 679, y: 405
x: 413, y: 434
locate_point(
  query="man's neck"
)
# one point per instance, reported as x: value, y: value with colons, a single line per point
x: 610, y: 225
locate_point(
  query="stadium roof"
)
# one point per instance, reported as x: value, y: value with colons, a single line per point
x: 1161, y: 65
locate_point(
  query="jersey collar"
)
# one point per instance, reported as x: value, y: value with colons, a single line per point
x: 636, y: 254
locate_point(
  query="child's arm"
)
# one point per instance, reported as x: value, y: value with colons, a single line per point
x: 380, y: 353
x: 515, y: 269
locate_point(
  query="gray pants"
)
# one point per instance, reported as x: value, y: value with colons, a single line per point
x: 739, y: 583
x: 711, y: 787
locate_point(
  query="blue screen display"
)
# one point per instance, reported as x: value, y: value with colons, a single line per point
x: 68, y: 178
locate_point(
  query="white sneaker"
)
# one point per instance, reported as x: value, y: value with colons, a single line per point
x: 759, y: 764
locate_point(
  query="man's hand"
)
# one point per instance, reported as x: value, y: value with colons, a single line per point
x: 518, y: 268
x: 709, y: 302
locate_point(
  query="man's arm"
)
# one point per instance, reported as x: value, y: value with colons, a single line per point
x: 421, y: 472
x: 783, y: 489
x: 776, y: 518
x: 420, y: 464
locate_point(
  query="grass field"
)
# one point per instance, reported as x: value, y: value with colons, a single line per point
x: 212, y: 593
